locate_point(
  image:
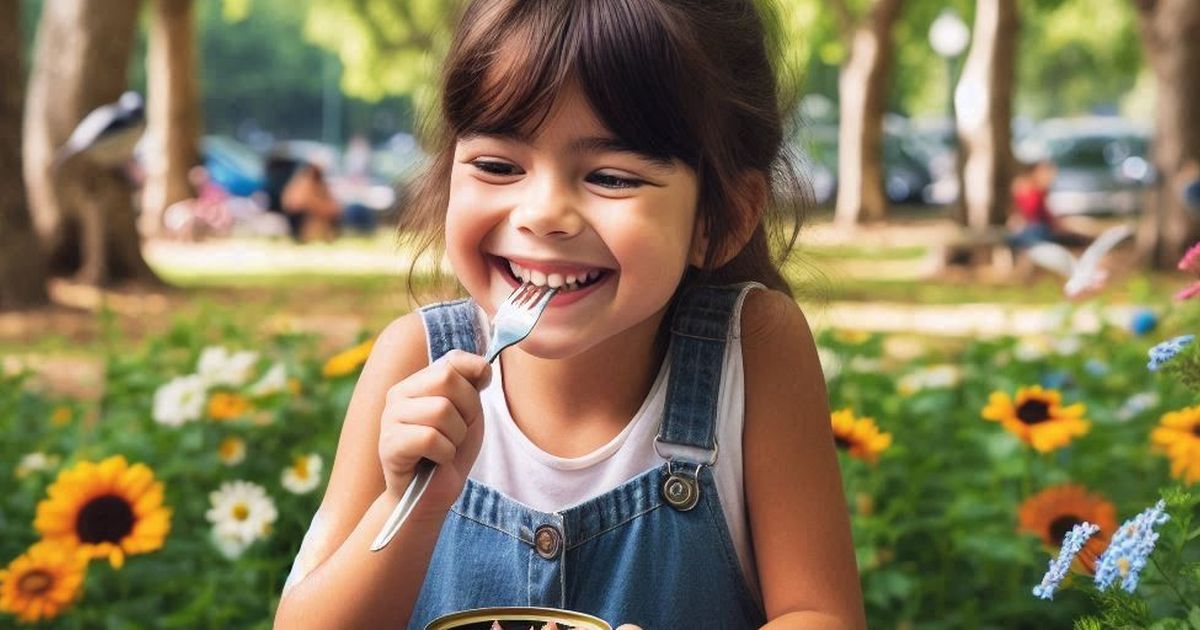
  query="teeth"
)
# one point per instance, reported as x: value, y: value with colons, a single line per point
x: 554, y: 280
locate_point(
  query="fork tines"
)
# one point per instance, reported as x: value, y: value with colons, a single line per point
x: 528, y: 294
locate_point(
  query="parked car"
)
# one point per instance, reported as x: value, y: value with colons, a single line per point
x: 905, y: 176
x: 1103, y: 164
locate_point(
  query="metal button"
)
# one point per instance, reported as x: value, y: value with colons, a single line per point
x: 548, y: 541
x: 681, y: 492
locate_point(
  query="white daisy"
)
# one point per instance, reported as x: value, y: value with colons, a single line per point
x: 1031, y: 349
x: 217, y: 366
x: 232, y: 451
x: 865, y: 365
x: 274, y: 381
x: 181, y: 400
x: 1069, y: 345
x: 241, y: 511
x: 941, y: 376
x: 1137, y: 404
x: 230, y: 547
x: 303, y: 475
x: 34, y: 462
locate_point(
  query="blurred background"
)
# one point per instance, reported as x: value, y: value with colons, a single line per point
x: 191, y: 188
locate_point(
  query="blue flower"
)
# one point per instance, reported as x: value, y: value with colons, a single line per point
x: 1130, y: 549
x: 1057, y: 379
x: 1072, y: 543
x: 1167, y: 350
x: 1143, y: 321
x: 1096, y: 367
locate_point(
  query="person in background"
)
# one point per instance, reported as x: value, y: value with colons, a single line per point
x: 307, y: 196
x: 1190, y: 174
x: 1031, y: 220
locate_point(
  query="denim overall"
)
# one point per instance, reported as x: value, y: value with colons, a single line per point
x: 654, y: 551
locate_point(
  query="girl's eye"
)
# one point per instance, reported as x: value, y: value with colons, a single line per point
x: 493, y: 167
x: 607, y: 180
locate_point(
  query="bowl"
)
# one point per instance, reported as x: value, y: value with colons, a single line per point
x: 517, y: 618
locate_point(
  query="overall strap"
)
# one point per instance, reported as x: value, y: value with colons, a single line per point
x: 450, y: 325
x: 697, y: 352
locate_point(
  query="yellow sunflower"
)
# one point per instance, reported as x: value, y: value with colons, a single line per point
x: 348, y: 361
x: 227, y: 406
x: 109, y: 509
x: 1037, y: 417
x: 1178, y: 435
x: 1051, y: 513
x: 42, y: 582
x: 62, y: 416
x: 859, y: 436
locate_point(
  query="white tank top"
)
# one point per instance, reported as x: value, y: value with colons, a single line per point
x: 512, y: 464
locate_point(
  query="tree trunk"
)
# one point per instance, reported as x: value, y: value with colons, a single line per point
x: 983, y: 105
x: 1170, y: 34
x: 22, y: 268
x: 173, y: 121
x: 862, y: 89
x: 83, y: 212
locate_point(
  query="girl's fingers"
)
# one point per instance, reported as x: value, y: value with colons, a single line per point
x: 456, y: 376
x: 411, y: 442
x: 435, y: 412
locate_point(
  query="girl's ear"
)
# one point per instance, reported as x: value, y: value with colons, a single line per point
x: 748, y: 201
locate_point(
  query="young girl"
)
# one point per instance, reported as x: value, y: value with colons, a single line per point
x: 658, y: 451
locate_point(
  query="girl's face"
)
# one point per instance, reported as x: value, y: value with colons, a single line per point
x: 571, y: 206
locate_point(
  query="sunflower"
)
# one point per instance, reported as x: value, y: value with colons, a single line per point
x: 41, y: 583
x: 859, y: 436
x: 1051, y: 513
x: 348, y: 361
x: 1037, y: 417
x: 62, y: 416
x: 227, y: 406
x: 1178, y: 435
x: 108, y: 509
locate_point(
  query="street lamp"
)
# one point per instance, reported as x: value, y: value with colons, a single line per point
x: 949, y: 36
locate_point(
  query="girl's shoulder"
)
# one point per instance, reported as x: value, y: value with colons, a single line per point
x: 400, y: 349
x: 775, y: 335
x: 768, y: 313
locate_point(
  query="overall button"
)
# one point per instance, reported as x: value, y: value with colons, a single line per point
x: 548, y: 541
x: 681, y: 492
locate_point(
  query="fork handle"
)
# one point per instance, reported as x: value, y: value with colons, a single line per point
x: 422, y: 475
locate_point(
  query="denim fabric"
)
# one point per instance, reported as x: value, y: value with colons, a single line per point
x: 1191, y: 195
x: 626, y: 556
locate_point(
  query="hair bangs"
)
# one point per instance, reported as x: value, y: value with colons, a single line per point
x: 510, y: 71
x: 619, y: 53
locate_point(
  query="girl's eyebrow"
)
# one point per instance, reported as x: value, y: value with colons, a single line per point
x: 591, y: 144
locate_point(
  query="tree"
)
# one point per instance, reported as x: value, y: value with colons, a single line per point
x: 1168, y: 32
x: 22, y: 267
x: 83, y: 212
x: 862, y: 88
x: 387, y: 47
x: 173, y: 116
x: 983, y: 105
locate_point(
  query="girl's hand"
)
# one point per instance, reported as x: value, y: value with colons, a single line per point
x: 435, y: 414
x: 629, y: 626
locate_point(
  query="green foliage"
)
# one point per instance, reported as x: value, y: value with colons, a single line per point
x: 186, y: 584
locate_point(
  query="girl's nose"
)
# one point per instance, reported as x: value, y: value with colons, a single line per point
x: 548, y: 210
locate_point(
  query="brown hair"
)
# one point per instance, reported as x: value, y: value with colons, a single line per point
x: 686, y: 79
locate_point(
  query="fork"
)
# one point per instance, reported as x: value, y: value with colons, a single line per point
x: 513, y: 322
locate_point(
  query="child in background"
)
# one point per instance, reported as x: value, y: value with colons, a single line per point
x: 658, y: 451
x: 1032, y: 222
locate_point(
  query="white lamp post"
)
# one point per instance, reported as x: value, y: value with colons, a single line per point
x: 949, y: 36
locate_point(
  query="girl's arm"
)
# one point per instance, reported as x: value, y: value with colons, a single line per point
x: 341, y: 584
x: 798, y: 517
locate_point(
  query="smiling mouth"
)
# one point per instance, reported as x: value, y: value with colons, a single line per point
x: 565, y: 283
